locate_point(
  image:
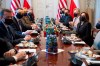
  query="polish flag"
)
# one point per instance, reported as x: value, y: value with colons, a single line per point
x: 26, y: 4
x: 74, y: 4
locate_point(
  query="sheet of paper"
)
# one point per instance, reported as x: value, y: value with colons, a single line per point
x: 81, y: 42
x: 95, y: 61
x: 27, y: 50
x: 59, y: 51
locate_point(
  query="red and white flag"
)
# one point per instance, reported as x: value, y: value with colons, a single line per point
x: 74, y: 4
x: 26, y: 4
x: 14, y: 5
x: 61, y: 4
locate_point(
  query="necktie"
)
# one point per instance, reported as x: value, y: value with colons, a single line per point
x: 19, y: 23
x: 74, y: 20
x: 75, y: 24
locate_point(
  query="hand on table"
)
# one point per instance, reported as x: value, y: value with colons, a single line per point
x: 34, y: 26
x: 10, y: 53
x: 20, y: 56
x: 27, y: 37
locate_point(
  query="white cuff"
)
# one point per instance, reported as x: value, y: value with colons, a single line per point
x: 15, y: 58
x: 23, y: 33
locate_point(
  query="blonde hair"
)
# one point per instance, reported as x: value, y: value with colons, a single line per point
x: 77, y: 10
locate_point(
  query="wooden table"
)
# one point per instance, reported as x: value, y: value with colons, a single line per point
x: 60, y: 59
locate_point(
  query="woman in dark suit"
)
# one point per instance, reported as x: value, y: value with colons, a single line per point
x: 84, y: 29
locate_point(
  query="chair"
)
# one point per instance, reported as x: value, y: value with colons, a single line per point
x: 94, y: 32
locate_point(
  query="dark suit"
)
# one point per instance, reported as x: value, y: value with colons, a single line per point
x: 31, y: 17
x: 11, y: 37
x: 20, y: 27
x: 62, y: 18
x: 67, y: 20
x: 6, y: 61
x: 26, y: 22
x: 16, y: 26
x: 84, y: 32
x: 4, y: 47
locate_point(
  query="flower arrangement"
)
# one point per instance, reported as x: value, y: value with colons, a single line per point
x: 51, y: 29
x: 51, y: 41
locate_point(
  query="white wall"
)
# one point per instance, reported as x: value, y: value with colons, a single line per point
x: 97, y: 9
x: 6, y: 3
x: 41, y: 8
x: 44, y: 8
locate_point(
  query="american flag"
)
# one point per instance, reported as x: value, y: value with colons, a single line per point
x: 61, y: 4
x: 14, y: 5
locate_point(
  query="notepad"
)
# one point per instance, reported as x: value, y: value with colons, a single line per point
x: 93, y: 61
x: 81, y: 42
x: 27, y: 50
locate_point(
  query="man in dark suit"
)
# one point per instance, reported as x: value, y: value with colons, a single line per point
x: 30, y: 15
x: 7, y: 32
x: 62, y: 18
x: 25, y: 20
x: 18, y: 25
x: 8, y: 54
x: 68, y: 18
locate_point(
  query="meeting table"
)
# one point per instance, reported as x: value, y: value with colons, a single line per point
x: 62, y: 58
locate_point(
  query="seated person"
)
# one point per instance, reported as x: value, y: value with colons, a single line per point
x: 7, y: 32
x: 98, y: 24
x: 68, y: 18
x: 25, y: 20
x: 31, y: 16
x: 62, y: 18
x: 9, y: 55
x: 75, y: 19
x: 21, y: 23
x: 84, y: 29
x: 96, y: 44
x: 18, y: 25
